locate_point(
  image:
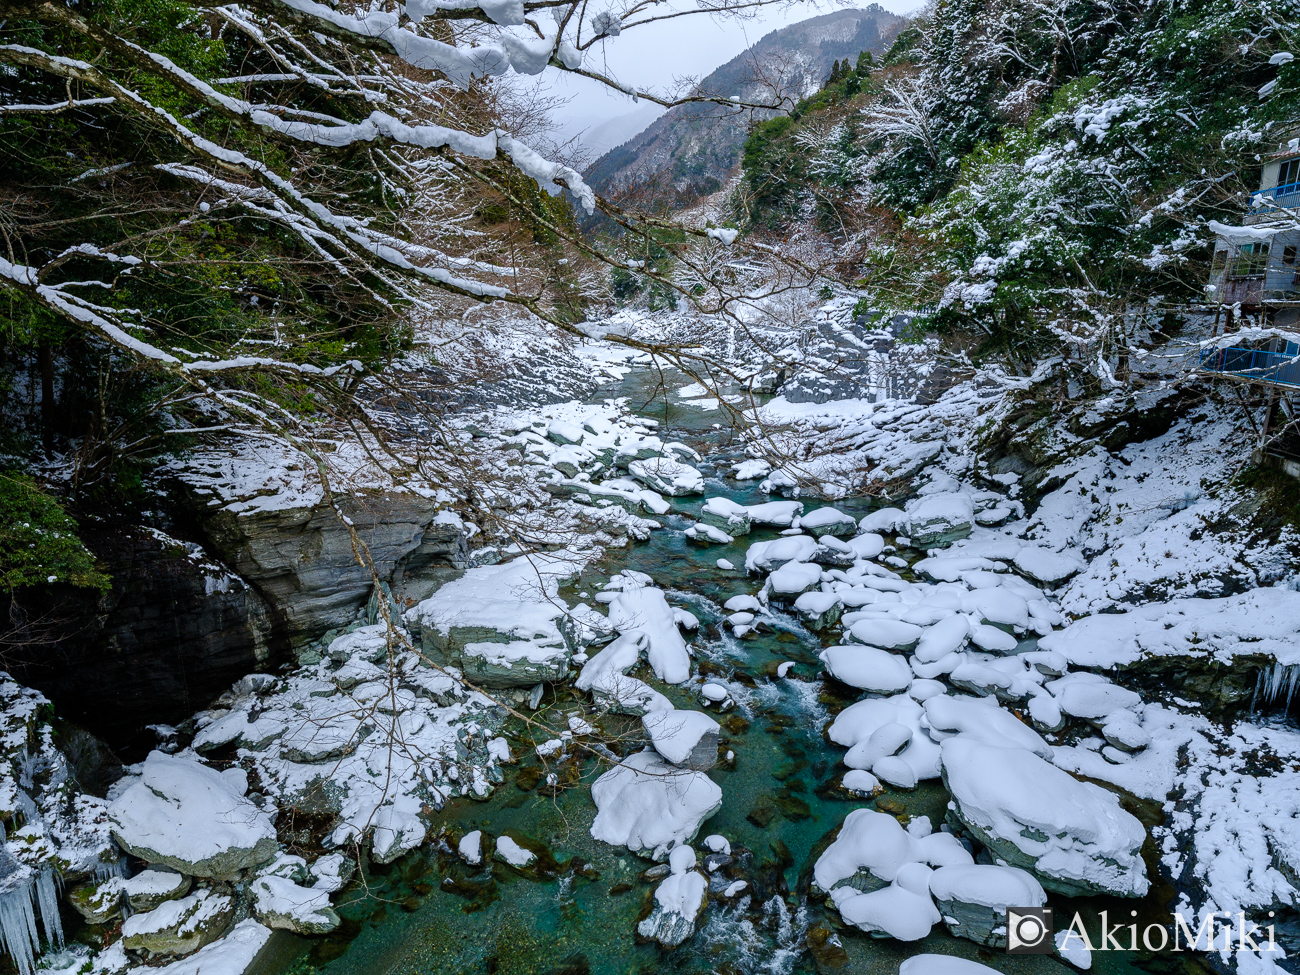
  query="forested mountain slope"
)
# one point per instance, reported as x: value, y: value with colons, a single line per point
x: 1031, y: 170
x: 687, y: 152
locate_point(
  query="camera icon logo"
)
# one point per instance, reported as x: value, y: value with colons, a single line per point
x: 1029, y: 931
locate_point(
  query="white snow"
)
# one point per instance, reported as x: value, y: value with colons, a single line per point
x: 646, y: 804
x: 514, y: 854
x: 868, y: 668
x: 675, y: 733
x: 231, y: 955
x: 185, y: 811
x: 1074, y: 831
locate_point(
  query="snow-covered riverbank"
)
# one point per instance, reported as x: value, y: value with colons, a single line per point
x: 635, y: 608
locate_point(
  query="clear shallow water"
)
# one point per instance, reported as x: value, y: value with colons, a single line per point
x: 431, y: 913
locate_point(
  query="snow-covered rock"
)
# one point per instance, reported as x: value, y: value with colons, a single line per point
x: 667, y: 476
x: 1261, y: 622
x: 943, y: 965
x: 793, y: 579
x: 232, y: 955
x: 777, y: 513
x: 645, y: 610
x: 973, y: 899
x: 771, y: 555
x: 936, y: 520
x: 983, y: 720
x: 819, y: 610
x: 726, y: 516
x: 893, y: 911
x: 149, y: 888
x: 872, y: 848
x: 868, y: 668
x: 887, y: 633
x: 828, y: 521
x: 178, y: 927
x: 605, y: 676
x: 855, y: 726
x: 679, y: 901
x: 648, y: 805
x: 192, y: 818
x: 1085, y: 695
x: 686, y: 738
x: 501, y: 622
x: 1073, y: 836
x: 280, y: 903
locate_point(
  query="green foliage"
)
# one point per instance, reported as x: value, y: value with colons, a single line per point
x: 209, y: 278
x: 1037, y: 198
x: 38, y: 540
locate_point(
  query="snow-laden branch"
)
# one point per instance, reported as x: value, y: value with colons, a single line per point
x: 54, y: 108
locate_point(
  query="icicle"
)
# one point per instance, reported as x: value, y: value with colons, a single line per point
x: 110, y: 868
x: 1278, y: 682
x: 47, y: 897
x: 18, y: 934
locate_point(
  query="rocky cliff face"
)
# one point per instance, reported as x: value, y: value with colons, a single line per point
x: 184, y: 621
x: 175, y: 630
x: 301, y: 559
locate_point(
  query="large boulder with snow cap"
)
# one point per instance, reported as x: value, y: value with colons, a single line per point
x: 936, y: 520
x: 648, y: 805
x: 500, y: 623
x: 974, y: 898
x: 1073, y: 836
x: 192, y: 818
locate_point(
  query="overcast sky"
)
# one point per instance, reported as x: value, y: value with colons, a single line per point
x: 652, y: 56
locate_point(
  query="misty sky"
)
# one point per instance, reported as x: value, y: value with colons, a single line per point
x: 653, y: 55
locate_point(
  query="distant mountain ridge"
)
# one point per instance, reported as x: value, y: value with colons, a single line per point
x: 687, y: 152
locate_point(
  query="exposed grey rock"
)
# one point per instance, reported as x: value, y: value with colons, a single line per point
x: 678, y: 903
x: 973, y: 899
x: 173, y: 632
x: 301, y: 558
